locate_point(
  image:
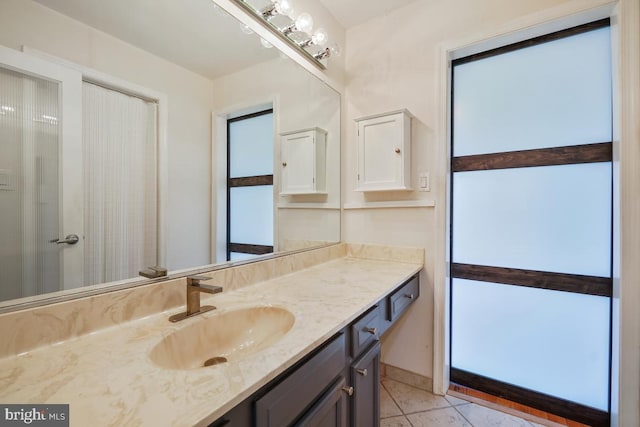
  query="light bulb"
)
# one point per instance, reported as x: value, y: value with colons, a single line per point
x: 335, y: 49
x: 304, y: 23
x: 284, y: 7
x: 320, y: 37
x: 265, y: 43
x: 246, y: 29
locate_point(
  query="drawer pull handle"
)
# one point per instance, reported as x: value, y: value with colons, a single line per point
x: 362, y: 372
x: 410, y: 296
x: 284, y: 164
x: 372, y: 331
x: 397, y: 150
x: 348, y: 390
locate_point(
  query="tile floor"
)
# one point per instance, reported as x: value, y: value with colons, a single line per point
x: 404, y: 406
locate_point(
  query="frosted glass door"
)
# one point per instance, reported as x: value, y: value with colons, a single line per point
x: 40, y: 176
x: 250, y: 190
x: 531, y: 223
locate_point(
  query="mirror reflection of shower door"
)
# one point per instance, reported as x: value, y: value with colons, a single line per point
x: 40, y: 172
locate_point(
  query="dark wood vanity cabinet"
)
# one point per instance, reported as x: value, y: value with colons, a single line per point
x: 291, y: 398
x: 338, y: 384
x: 331, y: 410
x: 365, y: 378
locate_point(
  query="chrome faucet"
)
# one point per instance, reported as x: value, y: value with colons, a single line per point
x: 194, y: 287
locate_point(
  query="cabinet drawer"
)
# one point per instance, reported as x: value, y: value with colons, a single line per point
x: 402, y: 298
x: 289, y: 399
x: 365, y: 331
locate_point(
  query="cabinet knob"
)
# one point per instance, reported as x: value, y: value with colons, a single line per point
x: 372, y: 331
x: 348, y: 390
x: 410, y: 296
x: 284, y: 164
x: 397, y: 150
x: 362, y: 372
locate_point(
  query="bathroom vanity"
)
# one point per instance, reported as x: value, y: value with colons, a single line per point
x: 295, y: 341
x: 338, y: 383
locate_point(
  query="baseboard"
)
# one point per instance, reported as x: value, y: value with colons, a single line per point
x: 407, y: 377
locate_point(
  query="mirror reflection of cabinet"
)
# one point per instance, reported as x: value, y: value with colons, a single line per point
x: 303, y: 155
x: 384, y: 152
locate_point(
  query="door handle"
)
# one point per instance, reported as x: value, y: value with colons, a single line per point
x: 362, y: 372
x: 71, y: 239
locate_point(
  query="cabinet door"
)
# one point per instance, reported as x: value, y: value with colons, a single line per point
x: 383, y: 153
x: 365, y: 377
x: 240, y: 416
x: 330, y: 410
x: 298, y: 152
x: 288, y: 400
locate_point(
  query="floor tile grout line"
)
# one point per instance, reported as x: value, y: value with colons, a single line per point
x: 428, y: 410
x: 397, y: 405
x: 449, y: 403
x: 394, y: 401
x: 408, y: 420
x: 462, y: 415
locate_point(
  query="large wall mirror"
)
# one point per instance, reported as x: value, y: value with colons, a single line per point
x: 138, y: 133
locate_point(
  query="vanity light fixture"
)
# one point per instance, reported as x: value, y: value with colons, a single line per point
x: 296, y: 28
x: 333, y: 50
x: 319, y: 38
x: 277, y: 7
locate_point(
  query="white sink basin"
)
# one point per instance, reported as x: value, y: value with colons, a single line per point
x: 222, y: 338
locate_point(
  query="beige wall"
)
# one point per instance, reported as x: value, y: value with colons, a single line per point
x: 393, y: 62
x: 23, y: 22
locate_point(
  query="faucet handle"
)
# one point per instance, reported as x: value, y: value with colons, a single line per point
x: 153, y: 272
x: 195, y: 280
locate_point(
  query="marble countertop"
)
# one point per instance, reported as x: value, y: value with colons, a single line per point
x: 109, y: 380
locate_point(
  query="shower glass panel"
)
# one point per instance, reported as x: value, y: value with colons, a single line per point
x: 29, y: 185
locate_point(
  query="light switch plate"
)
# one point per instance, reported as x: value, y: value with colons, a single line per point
x: 424, y: 183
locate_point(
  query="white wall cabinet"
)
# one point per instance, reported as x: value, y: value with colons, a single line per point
x: 303, y: 162
x: 384, y: 152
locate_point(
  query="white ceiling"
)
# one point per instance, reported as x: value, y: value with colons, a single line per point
x: 190, y: 33
x: 354, y: 12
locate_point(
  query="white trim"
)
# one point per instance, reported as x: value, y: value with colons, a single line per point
x: 103, y: 79
x: 430, y: 203
x: 563, y: 16
x: 307, y: 206
x: 626, y: 149
x: 390, y: 113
